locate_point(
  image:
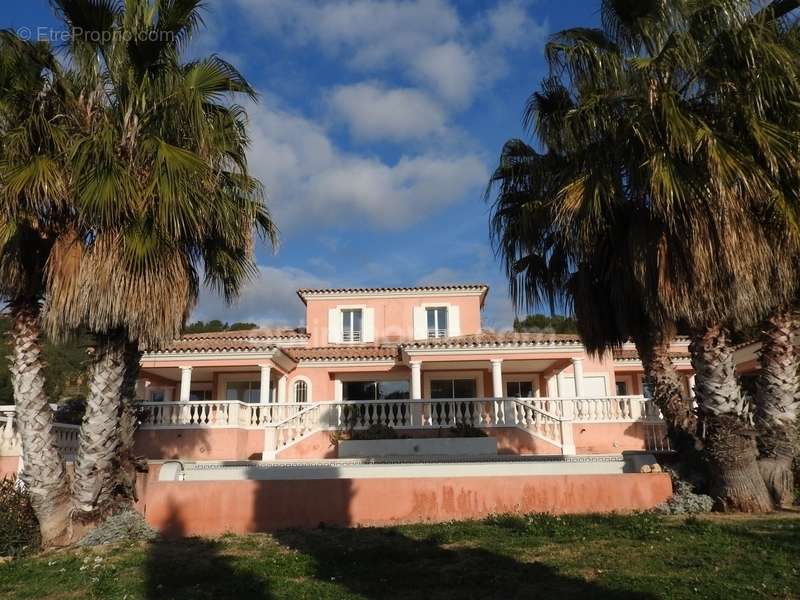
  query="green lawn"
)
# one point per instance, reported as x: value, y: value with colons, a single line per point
x: 639, y: 556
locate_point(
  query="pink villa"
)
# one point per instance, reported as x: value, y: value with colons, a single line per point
x: 250, y: 430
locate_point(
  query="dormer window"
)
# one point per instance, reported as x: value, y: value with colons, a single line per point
x: 437, y: 322
x: 351, y: 325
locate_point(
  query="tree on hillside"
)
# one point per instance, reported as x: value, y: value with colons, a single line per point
x: 540, y: 322
x: 64, y: 366
x: 216, y: 325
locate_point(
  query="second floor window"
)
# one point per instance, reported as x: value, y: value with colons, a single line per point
x: 437, y: 322
x: 351, y: 325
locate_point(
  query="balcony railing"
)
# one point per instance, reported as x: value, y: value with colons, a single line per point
x: 605, y: 409
x: 215, y: 413
x: 285, y: 423
x: 419, y: 414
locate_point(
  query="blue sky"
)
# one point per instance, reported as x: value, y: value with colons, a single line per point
x: 378, y: 125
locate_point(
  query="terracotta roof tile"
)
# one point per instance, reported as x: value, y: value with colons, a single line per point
x: 633, y: 355
x: 472, y: 287
x: 498, y: 339
x: 217, y: 345
x: 345, y: 353
x: 249, y: 334
x: 242, y: 340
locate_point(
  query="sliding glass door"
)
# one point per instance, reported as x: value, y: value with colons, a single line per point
x: 453, y: 413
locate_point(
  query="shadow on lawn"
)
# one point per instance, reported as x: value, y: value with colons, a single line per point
x: 195, y: 568
x: 384, y: 563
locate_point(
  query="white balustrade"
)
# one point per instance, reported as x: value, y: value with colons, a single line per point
x: 540, y: 423
x: 67, y: 439
x: 214, y: 413
x: 599, y: 409
x: 10, y: 444
x: 418, y: 414
x: 285, y: 423
x: 281, y: 434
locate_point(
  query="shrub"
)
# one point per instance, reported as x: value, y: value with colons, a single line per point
x: 19, y: 529
x: 465, y: 430
x: 71, y: 411
x: 685, y: 501
x: 374, y: 432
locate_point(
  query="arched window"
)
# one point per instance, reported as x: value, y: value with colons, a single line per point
x: 300, y: 391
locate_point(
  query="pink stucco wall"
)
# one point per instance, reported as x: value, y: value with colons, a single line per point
x: 317, y: 445
x: 8, y: 466
x: 608, y: 438
x: 200, y: 444
x: 248, y: 444
x: 394, y: 317
x: 216, y: 507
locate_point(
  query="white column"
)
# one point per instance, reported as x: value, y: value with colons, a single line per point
x: 416, y: 380
x: 186, y: 383
x: 691, y: 385
x: 338, y: 390
x: 141, y: 389
x: 561, y: 385
x: 497, y: 377
x: 546, y: 384
x: 263, y: 393
x: 577, y: 370
x: 282, y: 389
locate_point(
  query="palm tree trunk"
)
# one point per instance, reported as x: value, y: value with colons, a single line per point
x: 44, y: 469
x: 130, y: 464
x: 668, y: 394
x: 731, y: 448
x: 777, y: 403
x: 98, y: 454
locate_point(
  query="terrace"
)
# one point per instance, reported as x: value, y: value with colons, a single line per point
x: 552, y: 424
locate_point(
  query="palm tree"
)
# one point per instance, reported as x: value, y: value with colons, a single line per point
x: 655, y: 118
x: 34, y: 202
x: 777, y: 401
x: 544, y: 264
x: 165, y: 201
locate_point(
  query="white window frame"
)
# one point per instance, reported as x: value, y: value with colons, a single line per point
x: 295, y: 381
x: 238, y: 376
x: 569, y: 382
x: 341, y: 378
x: 627, y: 380
x: 341, y: 314
x: 168, y: 393
x: 427, y: 376
x: 437, y: 332
x: 533, y: 378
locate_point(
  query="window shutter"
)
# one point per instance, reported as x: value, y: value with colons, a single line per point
x: 453, y: 320
x: 420, y: 323
x: 334, y: 326
x: 369, y: 325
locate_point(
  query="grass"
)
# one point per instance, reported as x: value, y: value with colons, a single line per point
x: 637, y: 556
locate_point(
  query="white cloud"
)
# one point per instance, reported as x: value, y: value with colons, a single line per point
x: 371, y: 32
x: 427, y: 40
x: 270, y: 299
x: 373, y: 112
x: 310, y: 181
x: 511, y: 26
x: 450, y: 69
